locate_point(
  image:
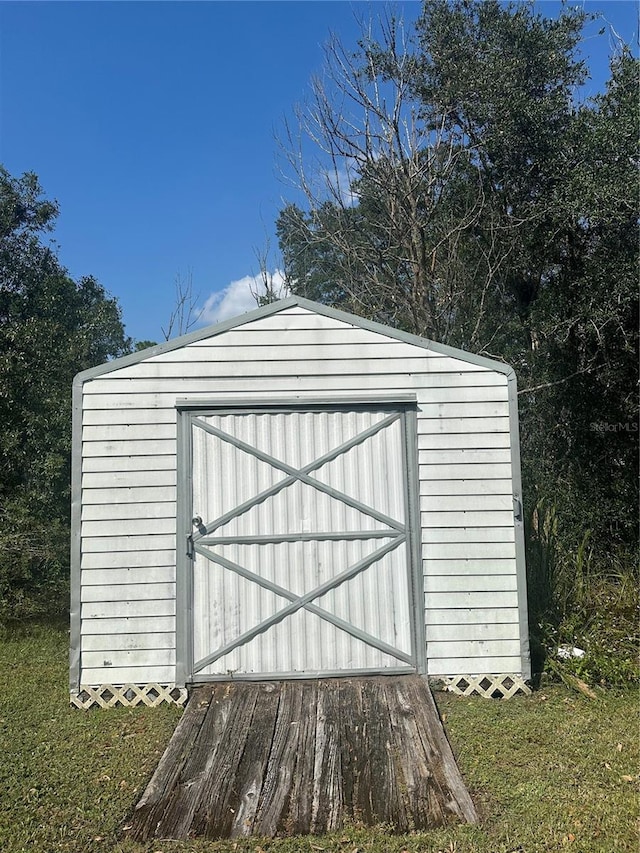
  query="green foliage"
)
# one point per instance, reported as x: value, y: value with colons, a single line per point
x: 50, y: 328
x: 550, y: 771
x: 502, y: 218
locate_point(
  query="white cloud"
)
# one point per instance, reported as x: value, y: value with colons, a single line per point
x: 239, y: 297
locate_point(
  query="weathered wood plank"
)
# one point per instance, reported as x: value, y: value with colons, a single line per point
x: 378, y: 791
x: 421, y: 792
x: 301, y: 757
x: 438, y: 750
x: 327, y: 781
x: 151, y: 808
x: 183, y: 800
x: 213, y: 815
x: 298, y: 819
x: 278, y: 773
x: 252, y: 774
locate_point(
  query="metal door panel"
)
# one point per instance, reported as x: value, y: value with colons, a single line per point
x: 300, y: 558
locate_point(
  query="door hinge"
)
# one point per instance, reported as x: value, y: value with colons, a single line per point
x: 517, y: 508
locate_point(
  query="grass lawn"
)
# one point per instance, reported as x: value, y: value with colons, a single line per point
x: 555, y: 771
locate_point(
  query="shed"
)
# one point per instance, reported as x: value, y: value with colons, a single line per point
x: 295, y: 493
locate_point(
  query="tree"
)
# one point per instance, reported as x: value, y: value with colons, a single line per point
x: 50, y: 328
x: 463, y: 193
x: 387, y: 206
x: 185, y: 313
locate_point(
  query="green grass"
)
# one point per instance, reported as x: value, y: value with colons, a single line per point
x: 555, y: 771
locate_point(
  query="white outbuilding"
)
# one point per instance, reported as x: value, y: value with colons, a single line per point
x: 295, y: 493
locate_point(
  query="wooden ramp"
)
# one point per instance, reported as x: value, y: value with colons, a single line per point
x: 301, y: 757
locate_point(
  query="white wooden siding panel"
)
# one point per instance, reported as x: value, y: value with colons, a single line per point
x: 129, y: 432
x: 162, y: 398
x: 464, y: 440
x: 465, y: 535
x: 453, y: 488
x: 473, y: 471
x: 229, y: 352
x: 111, y: 609
x: 119, y: 658
x: 491, y: 518
x: 465, y: 456
x: 128, y: 417
x: 129, y: 479
x: 128, y: 577
x: 446, y: 503
x: 129, y: 495
x: 241, y: 386
x: 474, y: 566
x: 474, y: 648
x: 144, y: 558
x: 129, y: 642
x: 140, y: 625
x: 285, y: 320
x: 124, y: 402
x: 94, y: 677
x: 455, y: 425
x: 462, y: 550
x: 259, y: 367
x: 482, y: 617
x: 114, y: 543
x: 475, y: 665
x: 470, y: 600
x: 118, y: 511
x: 114, y: 463
x: 464, y: 411
x: 478, y: 632
x: 150, y: 446
x: 470, y: 583
x: 128, y: 592
x: 132, y: 526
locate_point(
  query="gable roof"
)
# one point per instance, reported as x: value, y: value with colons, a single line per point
x: 276, y: 308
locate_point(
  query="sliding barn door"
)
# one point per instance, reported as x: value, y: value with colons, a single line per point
x: 299, y: 548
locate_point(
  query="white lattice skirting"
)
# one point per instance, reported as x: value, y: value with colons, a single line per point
x: 128, y: 696
x: 502, y: 686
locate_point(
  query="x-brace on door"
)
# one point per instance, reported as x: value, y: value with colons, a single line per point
x: 296, y: 529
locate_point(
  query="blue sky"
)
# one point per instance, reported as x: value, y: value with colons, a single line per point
x: 153, y: 125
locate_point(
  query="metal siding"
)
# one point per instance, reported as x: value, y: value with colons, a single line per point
x: 376, y: 601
